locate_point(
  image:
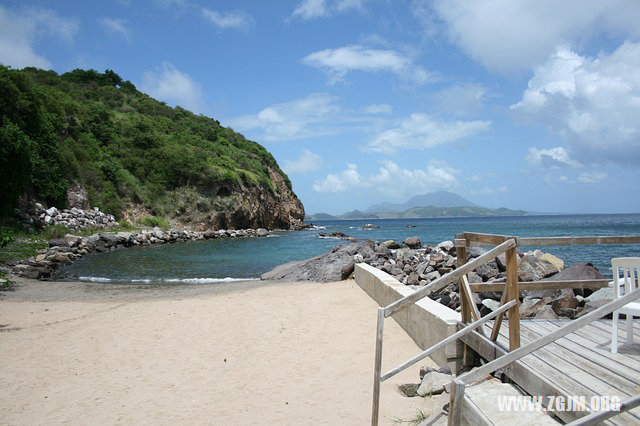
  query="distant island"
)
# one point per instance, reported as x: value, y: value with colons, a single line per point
x: 433, y: 204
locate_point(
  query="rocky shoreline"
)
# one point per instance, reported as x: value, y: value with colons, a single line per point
x: 416, y: 265
x: 64, y: 251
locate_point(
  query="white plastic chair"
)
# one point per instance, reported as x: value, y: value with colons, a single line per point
x: 630, y: 267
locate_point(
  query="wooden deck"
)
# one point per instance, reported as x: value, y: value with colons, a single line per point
x: 580, y: 363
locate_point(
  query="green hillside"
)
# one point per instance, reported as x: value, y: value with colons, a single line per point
x: 125, y: 148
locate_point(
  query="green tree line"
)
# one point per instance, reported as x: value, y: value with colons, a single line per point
x: 123, y: 146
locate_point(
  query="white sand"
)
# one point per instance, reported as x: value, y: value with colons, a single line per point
x: 269, y: 354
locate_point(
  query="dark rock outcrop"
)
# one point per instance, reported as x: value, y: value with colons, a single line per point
x: 335, y: 265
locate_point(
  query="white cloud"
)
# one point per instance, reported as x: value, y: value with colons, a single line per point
x: 379, y: 109
x: 551, y: 158
x: 461, y: 99
x: 507, y: 35
x: 594, y: 104
x: 338, y: 62
x: 20, y: 29
x: 391, y: 179
x: 592, y: 177
x: 311, y: 9
x: 314, y: 115
x: 422, y: 131
x: 306, y: 162
x: 117, y: 26
x: 234, y: 19
x: 173, y: 86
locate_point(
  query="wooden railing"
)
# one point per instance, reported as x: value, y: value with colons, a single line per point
x: 509, y: 304
x: 434, y: 286
x: 457, y: 386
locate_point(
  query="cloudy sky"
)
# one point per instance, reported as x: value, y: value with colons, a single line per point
x: 523, y: 104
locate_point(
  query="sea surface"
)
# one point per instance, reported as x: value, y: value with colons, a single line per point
x: 247, y: 258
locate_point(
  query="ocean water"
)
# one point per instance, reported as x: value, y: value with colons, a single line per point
x: 247, y: 258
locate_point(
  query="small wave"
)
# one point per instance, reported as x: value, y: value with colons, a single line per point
x: 330, y: 238
x: 206, y: 280
x: 274, y: 236
x: 318, y: 227
x: 168, y: 280
x: 96, y: 279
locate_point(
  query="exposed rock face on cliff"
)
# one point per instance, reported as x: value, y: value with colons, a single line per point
x: 258, y: 208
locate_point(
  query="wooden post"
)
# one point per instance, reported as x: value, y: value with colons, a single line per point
x: 468, y: 356
x: 513, y: 294
x: 455, y: 403
x: 377, y: 369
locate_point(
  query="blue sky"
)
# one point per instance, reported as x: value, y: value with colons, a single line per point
x: 523, y: 104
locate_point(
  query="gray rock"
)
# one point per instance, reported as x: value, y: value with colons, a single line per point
x: 491, y: 304
x: 433, y: 383
x: 579, y: 271
x: 446, y: 246
x: 530, y: 268
x: 545, y: 312
x: 413, y: 242
x: 332, y: 266
x: 566, y: 300
x: 261, y: 232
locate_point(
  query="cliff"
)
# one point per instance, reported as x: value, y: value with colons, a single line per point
x: 84, y: 139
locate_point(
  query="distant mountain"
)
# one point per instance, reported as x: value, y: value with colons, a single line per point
x: 319, y: 216
x: 357, y: 214
x: 422, y: 212
x: 434, y: 199
x: 432, y: 211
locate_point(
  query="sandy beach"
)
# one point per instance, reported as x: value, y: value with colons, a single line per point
x: 233, y: 353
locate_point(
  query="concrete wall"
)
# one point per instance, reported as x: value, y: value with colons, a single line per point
x: 426, y: 322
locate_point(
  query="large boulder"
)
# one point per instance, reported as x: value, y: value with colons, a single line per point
x: 531, y: 268
x: 579, y: 271
x: 335, y: 265
x: 413, y: 242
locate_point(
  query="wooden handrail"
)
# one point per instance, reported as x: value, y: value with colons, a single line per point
x: 445, y: 280
x: 576, y: 241
x: 408, y: 363
x: 541, y: 285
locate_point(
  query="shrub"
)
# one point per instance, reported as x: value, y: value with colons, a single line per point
x: 155, y: 221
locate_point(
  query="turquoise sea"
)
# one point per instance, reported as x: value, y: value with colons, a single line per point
x: 230, y: 259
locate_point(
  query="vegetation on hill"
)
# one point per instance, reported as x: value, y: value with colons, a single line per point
x: 125, y: 148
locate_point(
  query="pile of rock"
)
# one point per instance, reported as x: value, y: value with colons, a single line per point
x: 416, y: 265
x: 65, y: 250
x: 73, y: 218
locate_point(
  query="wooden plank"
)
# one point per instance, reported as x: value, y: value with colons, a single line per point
x: 531, y: 374
x: 486, y: 238
x: 513, y: 294
x: 572, y: 241
x: 598, y: 417
x: 568, y: 379
x: 445, y: 280
x: 377, y: 368
x: 590, y: 364
x: 562, y: 331
x: 473, y: 309
x: 468, y: 357
x: 605, y: 325
x: 498, y: 322
x: 625, y: 365
x: 443, y: 343
x: 541, y: 285
x: 461, y: 254
x: 455, y: 403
